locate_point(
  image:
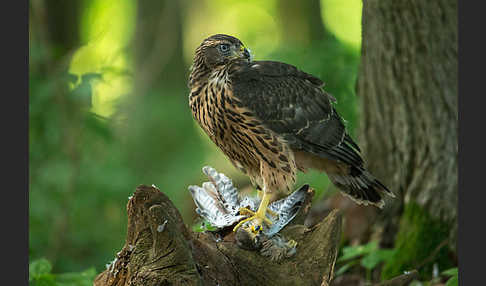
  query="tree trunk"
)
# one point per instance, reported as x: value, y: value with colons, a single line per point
x: 408, y: 88
x: 301, y: 21
x: 160, y: 250
x: 54, y: 31
x: 159, y: 61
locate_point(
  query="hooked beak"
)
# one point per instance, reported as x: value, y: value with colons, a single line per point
x: 246, y: 54
x: 243, y: 53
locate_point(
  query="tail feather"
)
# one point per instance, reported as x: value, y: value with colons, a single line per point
x: 361, y: 187
x: 347, y: 173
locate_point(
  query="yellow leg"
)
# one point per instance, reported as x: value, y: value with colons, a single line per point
x: 259, y: 217
x: 292, y: 243
x: 259, y: 193
x: 272, y: 213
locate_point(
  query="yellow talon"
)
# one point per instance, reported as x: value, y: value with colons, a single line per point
x: 245, y: 211
x: 241, y: 222
x: 292, y: 243
x: 272, y: 213
x: 259, y: 193
x: 258, y: 217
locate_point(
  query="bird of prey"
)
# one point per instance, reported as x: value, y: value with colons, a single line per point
x: 271, y: 120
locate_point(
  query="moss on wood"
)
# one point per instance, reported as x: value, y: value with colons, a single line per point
x: 420, y: 244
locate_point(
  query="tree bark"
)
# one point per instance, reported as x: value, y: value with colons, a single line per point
x: 408, y: 88
x: 160, y: 250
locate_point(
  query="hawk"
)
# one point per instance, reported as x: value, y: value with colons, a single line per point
x: 272, y: 120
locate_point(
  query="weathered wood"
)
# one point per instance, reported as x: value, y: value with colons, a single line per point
x: 160, y: 250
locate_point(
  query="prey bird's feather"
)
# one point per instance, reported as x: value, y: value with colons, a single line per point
x: 218, y: 203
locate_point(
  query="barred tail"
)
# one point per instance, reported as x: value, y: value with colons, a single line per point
x: 361, y: 186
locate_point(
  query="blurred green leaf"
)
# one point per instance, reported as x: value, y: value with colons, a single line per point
x: 203, y: 226
x: 99, y: 126
x: 416, y: 283
x: 38, y: 268
x: 373, y: 258
x: 44, y: 280
x: 370, y: 260
x: 84, y: 278
x: 350, y: 252
x: 40, y: 275
x: 346, y: 267
x: 453, y: 281
x: 451, y: 272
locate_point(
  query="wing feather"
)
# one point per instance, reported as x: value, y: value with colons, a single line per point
x: 293, y: 104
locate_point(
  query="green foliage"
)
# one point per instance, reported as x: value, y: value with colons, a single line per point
x: 450, y: 276
x: 38, y: 268
x: 369, y: 256
x: 350, y: 252
x: 344, y: 19
x: 453, y: 273
x: 84, y: 166
x: 203, y: 226
x: 418, y: 244
x: 40, y: 275
x: 371, y: 260
x: 66, y: 165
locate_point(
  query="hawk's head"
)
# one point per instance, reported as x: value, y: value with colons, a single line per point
x: 221, y: 49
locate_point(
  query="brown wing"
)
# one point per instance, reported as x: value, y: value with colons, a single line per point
x: 292, y: 103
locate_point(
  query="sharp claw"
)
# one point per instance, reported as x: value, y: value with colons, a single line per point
x: 292, y: 243
x: 245, y: 211
x: 253, y: 215
x: 241, y: 223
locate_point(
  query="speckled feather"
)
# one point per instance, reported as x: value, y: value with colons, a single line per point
x: 217, y: 201
x: 271, y: 119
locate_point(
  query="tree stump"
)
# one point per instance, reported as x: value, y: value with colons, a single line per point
x: 160, y: 250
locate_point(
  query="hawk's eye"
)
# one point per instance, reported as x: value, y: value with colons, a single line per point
x: 224, y: 48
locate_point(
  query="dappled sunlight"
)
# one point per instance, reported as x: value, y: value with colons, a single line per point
x: 107, y: 93
x: 109, y: 110
x: 110, y: 24
x: 151, y: 138
x: 107, y: 28
x: 251, y: 22
x: 343, y: 18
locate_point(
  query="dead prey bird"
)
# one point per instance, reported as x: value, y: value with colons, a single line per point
x: 218, y: 203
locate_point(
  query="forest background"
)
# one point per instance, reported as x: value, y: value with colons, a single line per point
x: 108, y: 110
